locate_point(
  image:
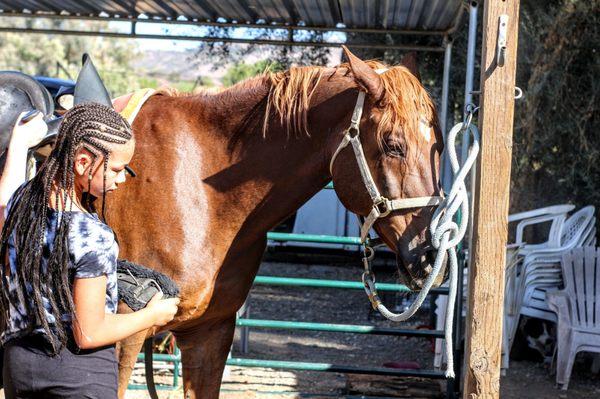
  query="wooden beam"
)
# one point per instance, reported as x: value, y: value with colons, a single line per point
x: 488, y: 254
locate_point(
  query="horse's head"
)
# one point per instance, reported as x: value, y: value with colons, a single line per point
x: 402, y: 145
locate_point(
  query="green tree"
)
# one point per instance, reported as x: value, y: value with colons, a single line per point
x: 60, y: 55
x: 241, y: 71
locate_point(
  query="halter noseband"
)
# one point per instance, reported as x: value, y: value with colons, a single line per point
x: 381, y: 205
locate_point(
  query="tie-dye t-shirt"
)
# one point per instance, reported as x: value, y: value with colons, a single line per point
x: 93, y: 251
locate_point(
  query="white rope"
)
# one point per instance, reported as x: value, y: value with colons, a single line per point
x: 446, y: 234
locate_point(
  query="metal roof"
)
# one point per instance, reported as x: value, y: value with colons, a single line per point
x: 392, y: 15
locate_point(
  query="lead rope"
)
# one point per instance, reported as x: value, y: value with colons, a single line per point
x: 446, y: 234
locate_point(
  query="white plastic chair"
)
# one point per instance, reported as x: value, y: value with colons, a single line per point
x: 517, y: 251
x: 539, y: 271
x: 578, y: 309
x: 555, y: 214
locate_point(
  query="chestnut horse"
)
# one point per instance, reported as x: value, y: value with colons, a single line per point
x: 216, y: 171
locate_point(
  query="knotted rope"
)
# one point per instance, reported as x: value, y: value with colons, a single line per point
x: 446, y: 235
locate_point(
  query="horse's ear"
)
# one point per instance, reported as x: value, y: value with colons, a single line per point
x: 410, y: 62
x: 364, y: 75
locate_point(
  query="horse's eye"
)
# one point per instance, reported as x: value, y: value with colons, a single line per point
x: 393, y: 148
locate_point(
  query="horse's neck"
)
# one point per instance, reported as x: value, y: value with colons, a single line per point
x: 269, y: 176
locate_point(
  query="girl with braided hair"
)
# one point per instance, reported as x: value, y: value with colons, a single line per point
x: 58, y: 296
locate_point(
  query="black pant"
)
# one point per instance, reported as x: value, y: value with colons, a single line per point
x: 31, y: 372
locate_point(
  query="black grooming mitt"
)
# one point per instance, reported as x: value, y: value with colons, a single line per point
x: 138, y: 284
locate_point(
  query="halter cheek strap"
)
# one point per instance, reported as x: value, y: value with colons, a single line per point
x: 381, y: 205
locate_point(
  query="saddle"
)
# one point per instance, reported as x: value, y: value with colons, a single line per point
x: 18, y: 93
x: 138, y: 284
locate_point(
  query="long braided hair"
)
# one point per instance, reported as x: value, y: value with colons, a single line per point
x: 93, y: 127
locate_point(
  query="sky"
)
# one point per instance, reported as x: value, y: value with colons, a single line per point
x: 190, y: 30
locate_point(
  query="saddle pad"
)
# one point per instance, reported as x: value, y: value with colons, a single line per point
x: 130, y: 104
x: 138, y: 284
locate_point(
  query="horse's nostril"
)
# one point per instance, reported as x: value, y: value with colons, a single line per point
x: 431, y: 256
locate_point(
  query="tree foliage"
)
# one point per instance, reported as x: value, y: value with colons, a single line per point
x: 241, y: 71
x: 60, y: 55
x: 285, y: 56
x: 557, y: 127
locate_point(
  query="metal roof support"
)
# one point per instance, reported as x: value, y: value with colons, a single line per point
x: 470, y: 67
x: 221, y: 39
x: 230, y: 24
x: 469, y: 77
x: 446, y: 167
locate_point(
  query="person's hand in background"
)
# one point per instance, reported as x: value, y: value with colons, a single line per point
x: 24, y: 136
x: 28, y: 134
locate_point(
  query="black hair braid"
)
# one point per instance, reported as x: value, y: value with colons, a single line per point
x: 93, y: 127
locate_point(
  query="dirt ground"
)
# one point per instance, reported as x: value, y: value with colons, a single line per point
x: 523, y: 380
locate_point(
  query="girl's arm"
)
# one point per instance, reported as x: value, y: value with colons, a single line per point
x: 23, y: 137
x: 93, y: 327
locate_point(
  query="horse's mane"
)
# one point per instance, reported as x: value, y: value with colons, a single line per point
x: 405, y: 101
x: 404, y: 104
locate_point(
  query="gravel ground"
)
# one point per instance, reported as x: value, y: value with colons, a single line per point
x: 523, y: 380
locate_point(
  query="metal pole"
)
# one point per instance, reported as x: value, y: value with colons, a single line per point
x: 470, y: 67
x: 446, y: 168
x: 469, y: 77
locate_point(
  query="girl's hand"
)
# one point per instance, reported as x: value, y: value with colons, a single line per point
x: 163, y: 310
x: 27, y: 135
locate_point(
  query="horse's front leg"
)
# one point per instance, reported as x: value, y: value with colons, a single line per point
x: 127, y: 352
x: 204, y: 350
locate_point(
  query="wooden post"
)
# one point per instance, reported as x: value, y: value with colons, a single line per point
x: 488, y: 253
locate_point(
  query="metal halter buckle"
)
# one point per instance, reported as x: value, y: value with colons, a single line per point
x: 353, y: 131
x: 383, y: 207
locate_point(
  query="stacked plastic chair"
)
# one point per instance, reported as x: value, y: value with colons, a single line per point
x: 578, y: 309
x: 535, y: 269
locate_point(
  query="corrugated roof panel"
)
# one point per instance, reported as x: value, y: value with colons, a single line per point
x: 228, y: 12
x: 180, y: 8
x: 33, y: 6
x: 391, y: 14
x: 442, y: 10
x: 312, y: 13
x: 416, y: 10
x: 157, y: 8
x: 448, y: 18
x: 13, y: 6
x: 401, y: 12
x: 241, y: 9
x: 201, y: 10
x: 272, y: 11
x: 191, y: 10
x: 78, y: 7
x: 111, y: 7
x: 370, y: 18
x: 350, y: 12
